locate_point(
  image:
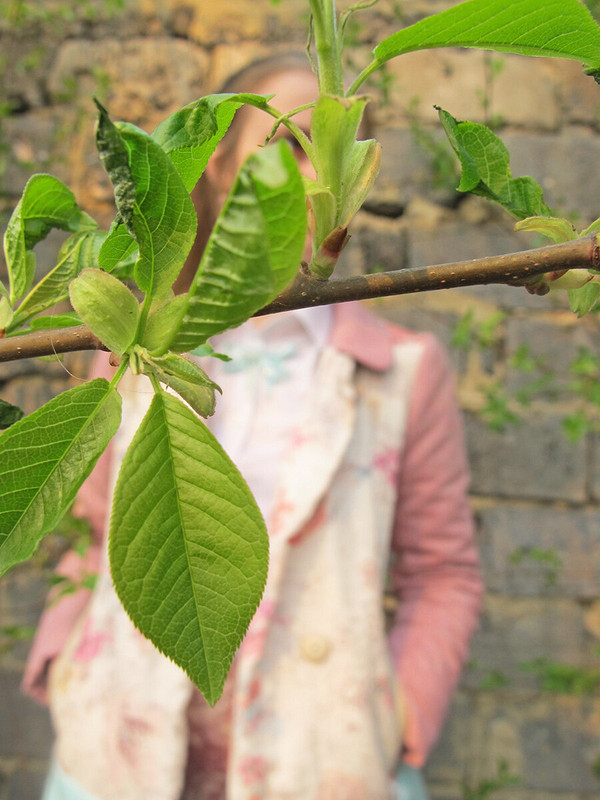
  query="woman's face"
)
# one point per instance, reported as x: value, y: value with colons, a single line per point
x: 291, y: 89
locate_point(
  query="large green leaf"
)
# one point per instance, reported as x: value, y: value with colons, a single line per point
x: 190, y: 135
x: 46, y: 203
x: 78, y: 252
x: 188, y: 547
x: 486, y: 171
x: 559, y: 28
x: 254, y: 250
x: 44, y: 459
x: 162, y: 218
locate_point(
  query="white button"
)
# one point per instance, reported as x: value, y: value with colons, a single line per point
x: 314, y: 647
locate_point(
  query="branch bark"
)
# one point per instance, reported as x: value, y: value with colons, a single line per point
x: 513, y: 268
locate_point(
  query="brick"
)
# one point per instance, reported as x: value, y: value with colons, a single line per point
x: 556, y: 346
x: 550, y: 741
x: 441, y: 323
x: 32, y: 140
x: 577, y: 92
x: 407, y: 169
x: 574, y: 534
x: 212, y: 23
x: 456, y: 81
x: 595, y: 466
x: 23, y: 593
x: 148, y: 77
x: 516, y: 630
x: 561, y: 164
x: 26, y: 783
x: 25, y: 729
x: 29, y: 393
x: 532, y: 460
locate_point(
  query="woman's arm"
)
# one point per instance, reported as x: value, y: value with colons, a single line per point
x: 435, y: 573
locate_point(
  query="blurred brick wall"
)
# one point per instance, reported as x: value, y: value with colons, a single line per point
x: 532, y: 489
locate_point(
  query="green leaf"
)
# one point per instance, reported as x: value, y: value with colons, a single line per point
x: 190, y: 135
x: 9, y: 414
x: 334, y: 126
x: 186, y: 378
x: 120, y: 251
x: 204, y: 350
x: 164, y: 219
x: 584, y: 299
x: 44, y: 459
x: 163, y: 322
x: 188, y: 547
x: 6, y: 314
x: 555, y: 228
x: 46, y: 203
x: 593, y: 228
x: 254, y: 250
x: 55, y: 321
x: 107, y: 307
x: 78, y: 252
x: 486, y: 171
x: 559, y: 28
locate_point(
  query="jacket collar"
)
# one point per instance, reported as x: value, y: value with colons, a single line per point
x: 368, y: 339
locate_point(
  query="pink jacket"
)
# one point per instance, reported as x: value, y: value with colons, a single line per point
x: 385, y: 430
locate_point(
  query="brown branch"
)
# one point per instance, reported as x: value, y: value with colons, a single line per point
x: 48, y: 343
x: 514, y: 268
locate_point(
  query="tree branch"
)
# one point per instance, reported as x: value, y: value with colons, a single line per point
x: 513, y: 268
x: 48, y: 343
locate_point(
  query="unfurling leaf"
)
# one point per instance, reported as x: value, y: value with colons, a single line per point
x: 486, y: 171
x: 44, y: 459
x: 188, y: 547
x: 346, y: 170
x: 555, y: 228
x: 107, y: 307
x: 113, y: 154
x: 186, y: 378
x: 160, y: 218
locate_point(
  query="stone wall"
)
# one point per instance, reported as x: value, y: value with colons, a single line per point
x: 536, y: 494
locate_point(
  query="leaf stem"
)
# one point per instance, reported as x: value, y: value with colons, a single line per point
x: 363, y: 76
x: 296, y: 130
x: 121, y: 370
x: 155, y: 383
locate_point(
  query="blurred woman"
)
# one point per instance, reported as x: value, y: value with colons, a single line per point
x: 346, y: 429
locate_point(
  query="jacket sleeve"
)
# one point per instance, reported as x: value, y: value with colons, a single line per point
x: 435, y: 569
x: 61, y: 614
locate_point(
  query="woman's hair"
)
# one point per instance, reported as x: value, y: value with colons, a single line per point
x: 254, y: 77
